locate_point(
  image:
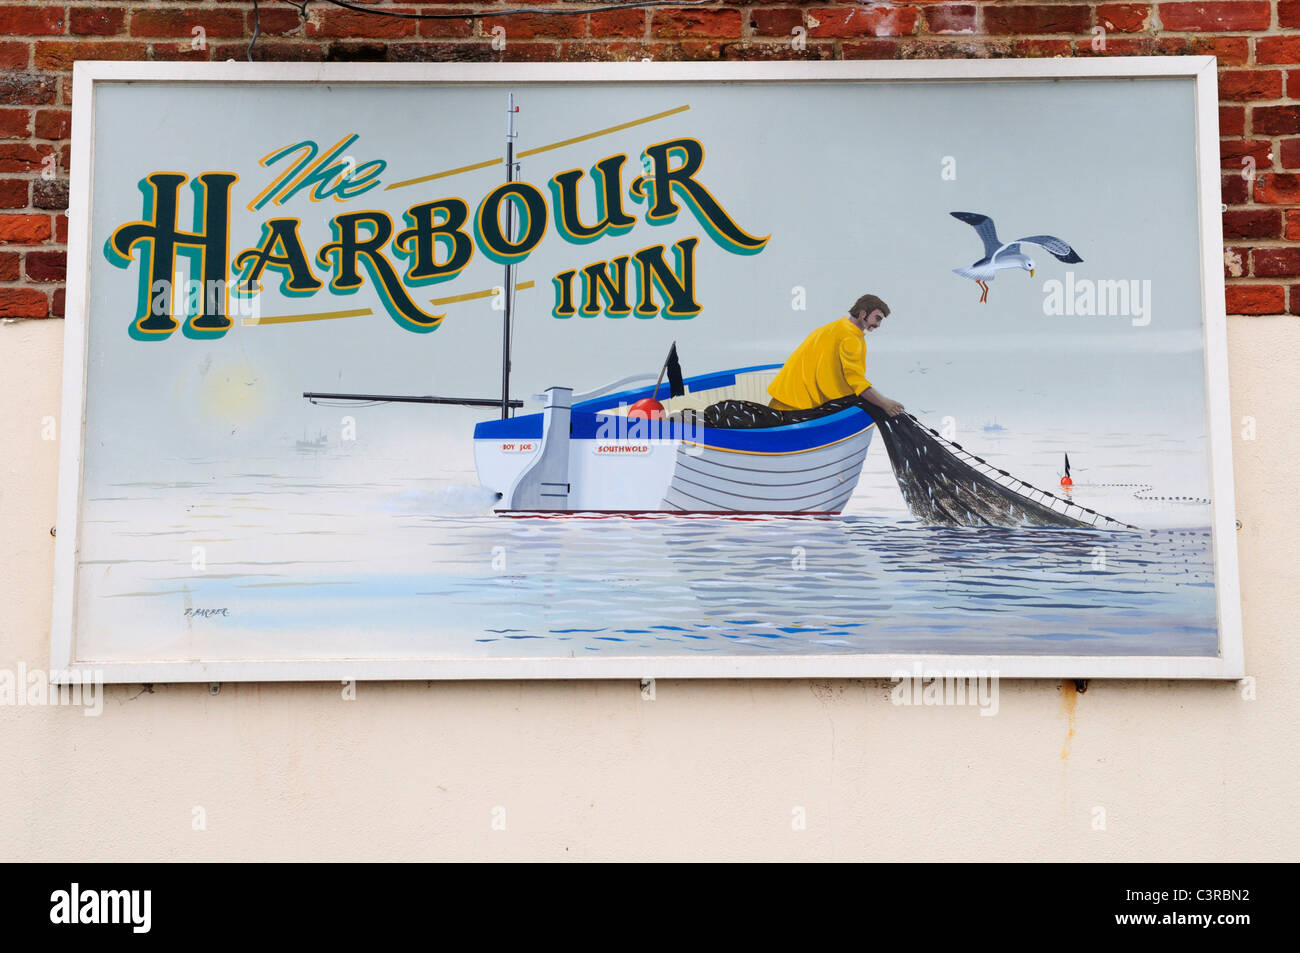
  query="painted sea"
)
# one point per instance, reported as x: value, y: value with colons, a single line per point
x: 314, y: 551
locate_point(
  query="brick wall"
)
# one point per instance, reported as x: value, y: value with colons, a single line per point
x: 1257, y: 43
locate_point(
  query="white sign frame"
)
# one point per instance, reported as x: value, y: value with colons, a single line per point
x: 88, y: 76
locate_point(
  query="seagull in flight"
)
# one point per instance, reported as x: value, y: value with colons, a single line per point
x: 1006, y: 255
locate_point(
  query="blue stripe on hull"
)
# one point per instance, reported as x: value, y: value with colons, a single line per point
x: 793, y: 438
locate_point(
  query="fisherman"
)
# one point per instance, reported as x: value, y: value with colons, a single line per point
x: 831, y: 363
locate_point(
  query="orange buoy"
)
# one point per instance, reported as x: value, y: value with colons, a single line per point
x: 647, y: 407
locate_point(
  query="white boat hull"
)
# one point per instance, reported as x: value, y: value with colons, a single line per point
x: 589, y: 457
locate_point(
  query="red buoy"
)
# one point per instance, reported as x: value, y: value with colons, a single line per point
x: 647, y: 407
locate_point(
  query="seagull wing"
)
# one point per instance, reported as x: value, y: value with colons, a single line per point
x: 1059, y: 249
x: 1011, y: 248
x: 982, y: 224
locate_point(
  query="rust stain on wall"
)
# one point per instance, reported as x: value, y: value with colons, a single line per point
x: 1069, y: 701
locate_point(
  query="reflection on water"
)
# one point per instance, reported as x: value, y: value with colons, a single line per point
x: 275, y: 565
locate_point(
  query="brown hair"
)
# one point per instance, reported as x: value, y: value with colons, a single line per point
x: 869, y: 303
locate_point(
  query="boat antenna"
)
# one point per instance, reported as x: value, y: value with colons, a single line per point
x: 509, y: 288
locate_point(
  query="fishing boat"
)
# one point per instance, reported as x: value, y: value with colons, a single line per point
x: 590, y: 455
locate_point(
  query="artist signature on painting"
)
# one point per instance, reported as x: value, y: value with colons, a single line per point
x: 205, y: 613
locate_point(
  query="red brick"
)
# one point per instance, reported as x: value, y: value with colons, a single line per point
x: 1230, y: 50
x: 95, y: 21
x: 23, y: 303
x: 59, y: 55
x: 1217, y: 17
x: 348, y: 23
x: 22, y: 157
x: 530, y: 51
x: 15, y: 123
x: 53, y: 123
x: 14, y: 55
x: 1275, y: 120
x: 278, y: 21
x: 1049, y: 18
x: 183, y: 52
x: 1289, y: 154
x: 1255, y: 299
x: 950, y: 18
x: 9, y: 266
x: 1291, y: 230
x: 534, y: 25
x: 179, y: 21
x: 1236, y: 262
x: 1277, y: 49
x: 345, y: 51
x: 1288, y: 13
x: 26, y: 89
x: 34, y: 20
x: 56, y: 302
x: 452, y: 28
x: 882, y: 49
x: 1123, y: 17
x: 816, y: 50
x: 862, y: 21
x: 772, y: 21
x: 432, y: 52
x: 24, y: 229
x: 618, y: 23
x: 61, y: 229
x: 675, y: 23
x: 1232, y: 151
x: 50, y: 193
x: 46, y: 265
x: 1252, y: 223
x: 275, y: 51
x: 1273, y: 262
x: 1232, y: 120
x: 582, y: 51
x: 1032, y: 48
x: 1247, y: 84
x: 1277, y: 188
x: 13, y: 193
x: 1235, y: 190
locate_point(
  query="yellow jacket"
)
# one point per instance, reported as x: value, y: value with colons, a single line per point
x: 830, y: 363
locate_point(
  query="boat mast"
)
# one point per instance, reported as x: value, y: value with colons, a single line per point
x: 509, y: 289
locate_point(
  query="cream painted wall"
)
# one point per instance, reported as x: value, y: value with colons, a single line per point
x: 709, y: 770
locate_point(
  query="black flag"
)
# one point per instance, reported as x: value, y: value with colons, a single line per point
x: 675, y: 386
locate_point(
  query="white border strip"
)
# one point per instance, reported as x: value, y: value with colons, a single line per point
x: 1112, y: 67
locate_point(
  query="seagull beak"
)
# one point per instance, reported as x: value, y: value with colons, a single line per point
x: 1031, y: 272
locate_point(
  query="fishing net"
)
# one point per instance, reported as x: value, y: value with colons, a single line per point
x: 940, y: 481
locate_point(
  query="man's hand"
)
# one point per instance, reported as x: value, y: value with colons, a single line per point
x: 892, y: 408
